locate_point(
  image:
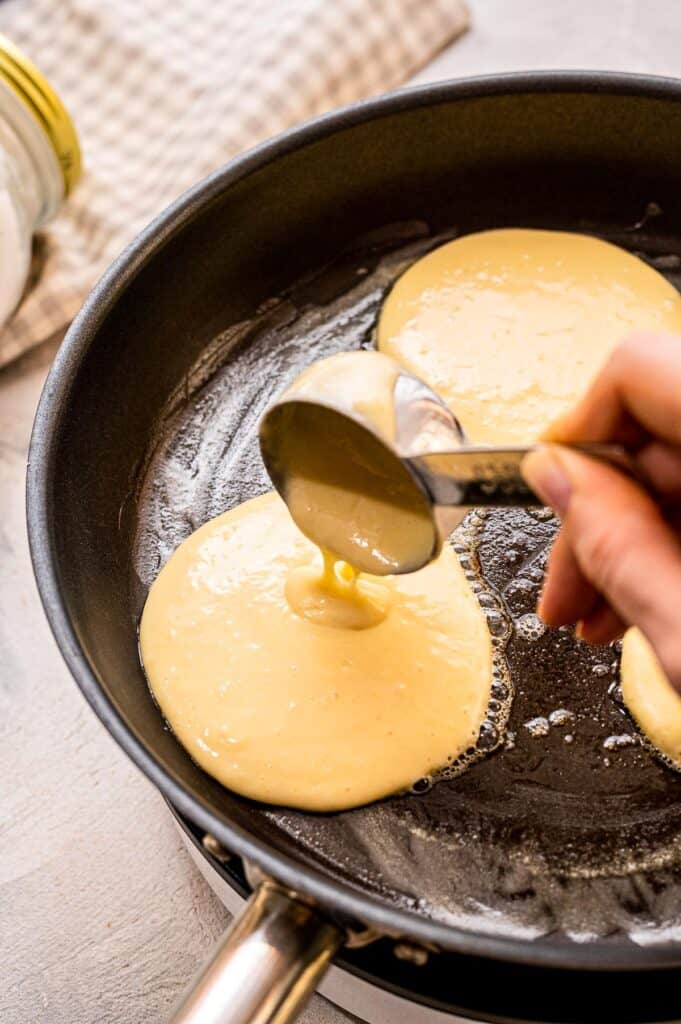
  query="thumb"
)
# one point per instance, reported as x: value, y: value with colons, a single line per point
x: 620, y: 541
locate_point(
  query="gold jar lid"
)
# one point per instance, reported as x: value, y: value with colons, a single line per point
x: 36, y: 92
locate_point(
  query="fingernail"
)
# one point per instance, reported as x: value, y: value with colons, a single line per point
x: 547, y: 478
x: 579, y: 630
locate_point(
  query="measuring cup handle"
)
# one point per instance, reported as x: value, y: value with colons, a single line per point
x: 478, y: 476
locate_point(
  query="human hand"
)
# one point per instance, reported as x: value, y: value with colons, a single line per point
x: 617, y: 559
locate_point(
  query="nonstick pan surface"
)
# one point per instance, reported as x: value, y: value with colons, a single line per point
x: 560, y: 847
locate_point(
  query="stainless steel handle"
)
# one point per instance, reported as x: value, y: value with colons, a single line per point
x: 266, y: 967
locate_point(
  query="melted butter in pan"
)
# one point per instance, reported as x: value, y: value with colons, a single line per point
x: 298, y: 683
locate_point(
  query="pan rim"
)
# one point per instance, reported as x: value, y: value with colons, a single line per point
x: 339, y: 897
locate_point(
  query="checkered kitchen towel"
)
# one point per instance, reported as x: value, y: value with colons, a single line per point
x: 164, y: 91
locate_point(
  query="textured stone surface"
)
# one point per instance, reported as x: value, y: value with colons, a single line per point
x: 103, y: 918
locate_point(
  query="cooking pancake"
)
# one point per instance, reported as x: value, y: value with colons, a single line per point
x: 304, y: 686
x: 650, y: 697
x: 511, y: 325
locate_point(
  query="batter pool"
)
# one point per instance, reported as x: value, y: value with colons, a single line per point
x: 511, y: 325
x: 650, y: 697
x: 293, y: 682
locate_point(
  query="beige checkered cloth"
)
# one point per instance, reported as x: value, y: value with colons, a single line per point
x: 164, y: 91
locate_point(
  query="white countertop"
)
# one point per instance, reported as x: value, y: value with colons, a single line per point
x: 103, y: 918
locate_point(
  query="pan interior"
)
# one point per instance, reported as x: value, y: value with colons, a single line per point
x: 570, y: 827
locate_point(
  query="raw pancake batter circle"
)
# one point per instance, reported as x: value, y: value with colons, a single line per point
x: 286, y: 710
x: 650, y: 697
x: 511, y: 325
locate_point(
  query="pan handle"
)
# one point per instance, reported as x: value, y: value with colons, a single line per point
x: 266, y: 967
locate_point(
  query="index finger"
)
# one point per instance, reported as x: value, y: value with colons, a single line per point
x: 637, y: 393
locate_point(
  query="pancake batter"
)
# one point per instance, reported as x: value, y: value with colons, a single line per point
x: 650, y: 697
x: 511, y: 325
x: 304, y: 686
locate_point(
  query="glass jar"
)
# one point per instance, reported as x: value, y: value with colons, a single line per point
x: 39, y: 165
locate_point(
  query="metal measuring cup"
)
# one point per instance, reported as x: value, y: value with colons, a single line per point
x: 375, y: 468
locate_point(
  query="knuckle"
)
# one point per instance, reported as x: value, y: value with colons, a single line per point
x: 629, y: 352
x: 637, y: 342
x: 638, y: 347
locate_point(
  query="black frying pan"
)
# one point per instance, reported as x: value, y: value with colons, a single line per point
x: 546, y: 853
